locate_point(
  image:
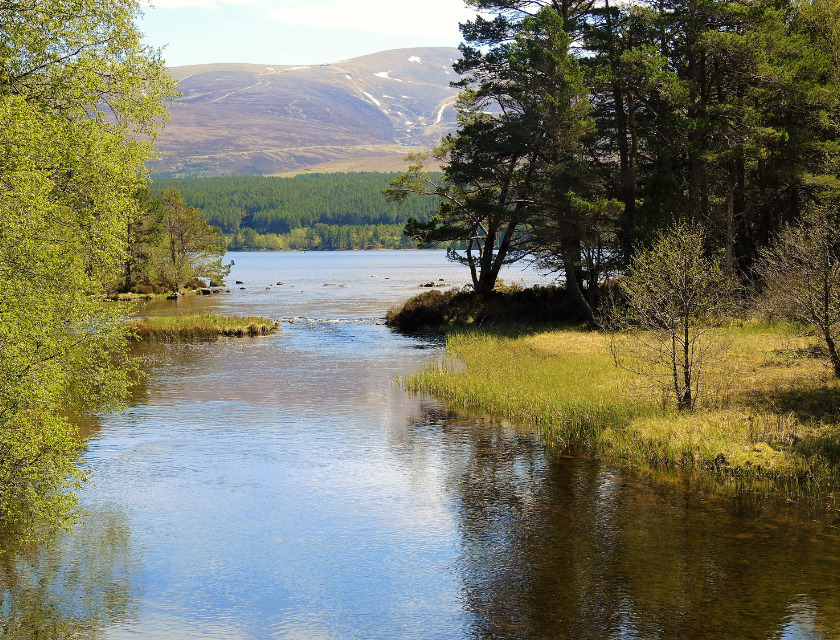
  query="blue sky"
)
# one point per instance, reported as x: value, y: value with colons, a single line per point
x: 296, y: 31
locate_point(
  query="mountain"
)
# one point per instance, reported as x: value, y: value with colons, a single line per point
x: 362, y: 114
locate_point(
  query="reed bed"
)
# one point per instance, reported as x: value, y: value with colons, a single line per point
x: 772, y: 424
x: 200, y: 327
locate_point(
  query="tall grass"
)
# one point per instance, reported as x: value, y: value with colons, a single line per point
x: 564, y: 382
x: 200, y: 327
x: 773, y: 423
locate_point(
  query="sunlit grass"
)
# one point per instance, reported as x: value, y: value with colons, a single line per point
x: 565, y: 382
x: 200, y: 327
x: 771, y: 415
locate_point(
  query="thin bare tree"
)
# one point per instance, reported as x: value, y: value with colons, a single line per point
x: 671, y: 300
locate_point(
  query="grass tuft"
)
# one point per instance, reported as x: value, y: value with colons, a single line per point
x: 200, y: 327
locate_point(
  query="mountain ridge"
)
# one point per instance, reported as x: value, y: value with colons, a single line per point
x: 361, y: 114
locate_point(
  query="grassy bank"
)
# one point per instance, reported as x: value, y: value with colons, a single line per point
x: 772, y: 422
x: 200, y: 327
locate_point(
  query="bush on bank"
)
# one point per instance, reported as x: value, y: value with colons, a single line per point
x: 505, y: 305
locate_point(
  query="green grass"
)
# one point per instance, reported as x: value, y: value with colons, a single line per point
x: 771, y: 421
x: 200, y: 327
x: 563, y: 381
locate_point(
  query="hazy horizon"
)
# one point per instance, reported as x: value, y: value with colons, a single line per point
x: 281, y: 32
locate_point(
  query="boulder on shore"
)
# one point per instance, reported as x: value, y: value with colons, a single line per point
x: 173, y: 296
x: 205, y: 292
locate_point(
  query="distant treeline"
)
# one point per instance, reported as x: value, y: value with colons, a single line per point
x: 325, y: 237
x: 325, y: 211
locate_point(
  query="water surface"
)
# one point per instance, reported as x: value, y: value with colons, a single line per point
x: 284, y: 487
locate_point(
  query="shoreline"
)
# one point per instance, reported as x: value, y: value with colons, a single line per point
x: 769, y: 424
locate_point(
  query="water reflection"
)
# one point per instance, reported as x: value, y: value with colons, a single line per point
x: 283, y: 487
x: 76, y: 587
x: 568, y: 548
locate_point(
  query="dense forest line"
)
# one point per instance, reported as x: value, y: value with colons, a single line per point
x: 277, y: 206
x: 326, y: 237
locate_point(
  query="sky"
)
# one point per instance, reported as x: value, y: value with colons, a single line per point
x: 296, y: 31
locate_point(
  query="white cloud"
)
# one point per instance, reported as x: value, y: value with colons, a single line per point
x: 437, y: 18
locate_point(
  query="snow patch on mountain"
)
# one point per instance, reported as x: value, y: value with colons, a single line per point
x: 235, y: 91
x: 384, y: 74
x: 414, y: 59
x: 440, y: 113
x: 375, y: 101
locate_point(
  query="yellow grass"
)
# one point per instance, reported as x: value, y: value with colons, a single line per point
x: 772, y: 414
x: 200, y: 327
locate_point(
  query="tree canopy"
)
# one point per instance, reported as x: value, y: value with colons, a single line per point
x: 717, y: 113
x: 80, y: 99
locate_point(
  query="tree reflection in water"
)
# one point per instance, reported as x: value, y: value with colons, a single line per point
x: 74, y: 587
x: 555, y: 547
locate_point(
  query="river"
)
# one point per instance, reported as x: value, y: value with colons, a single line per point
x: 285, y: 487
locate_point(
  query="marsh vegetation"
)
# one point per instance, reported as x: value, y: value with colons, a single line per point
x: 200, y: 327
x: 769, y: 417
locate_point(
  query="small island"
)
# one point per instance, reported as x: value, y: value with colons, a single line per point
x: 200, y: 327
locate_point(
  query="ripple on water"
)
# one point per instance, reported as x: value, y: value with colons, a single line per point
x: 283, y: 487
